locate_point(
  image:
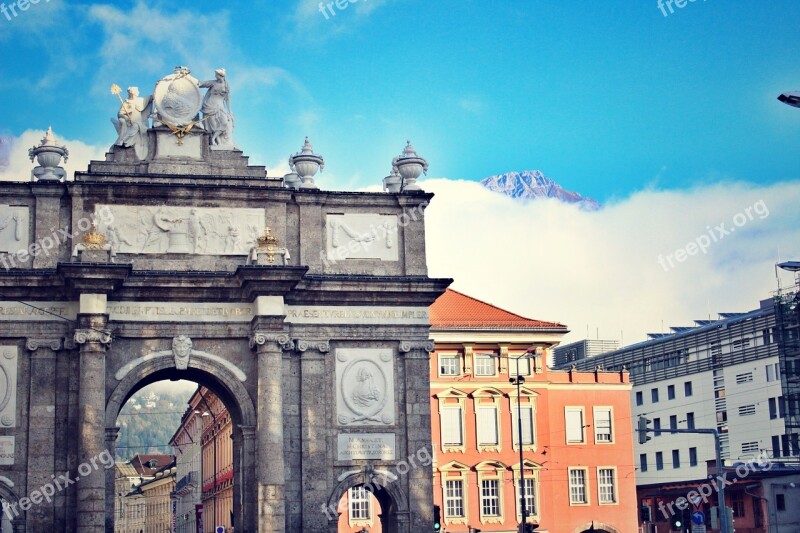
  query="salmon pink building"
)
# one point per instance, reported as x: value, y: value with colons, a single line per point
x: 576, y: 432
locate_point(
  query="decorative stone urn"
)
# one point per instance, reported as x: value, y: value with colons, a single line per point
x: 306, y: 163
x: 391, y: 183
x: 292, y: 180
x: 49, y: 155
x: 410, y: 166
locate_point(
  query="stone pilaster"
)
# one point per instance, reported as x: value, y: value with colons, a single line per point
x: 111, y: 445
x: 271, y: 475
x: 93, y: 339
x: 47, y: 237
x: 418, y: 430
x: 245, y: 475
x: 315, y: 414
x: 42, y: 428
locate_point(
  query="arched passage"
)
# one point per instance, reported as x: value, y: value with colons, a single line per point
x: 385, y: 486
x: 598, y: 527
x: 13, y: 518
x: 217, y: 376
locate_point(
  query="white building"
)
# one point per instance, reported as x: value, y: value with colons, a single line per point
x: 187, y: 450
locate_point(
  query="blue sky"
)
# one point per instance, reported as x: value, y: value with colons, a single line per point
x: 607, y: 98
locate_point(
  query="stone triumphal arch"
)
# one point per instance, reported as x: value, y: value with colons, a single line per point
x: 305, y: 310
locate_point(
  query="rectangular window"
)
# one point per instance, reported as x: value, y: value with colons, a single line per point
x: 716, y: 349
x: 524, y: 366
x: 659, y: 461
x: 484, y: 365
x: 452, y: 434
x: 454, y: 498
x: 526, y: 413
x: 490, y: 497
x: 529, y: 495
x: 639, y: 398
x: 577, y: 486
x: 747, y: 377
x: 773, y: 372
x: 773, y: 408
x: 781, y: 407
x: 741, y: 344
x: 602, y: 425
x: 687, y: 388
x: 750, y: 447
x: 359, y: 503
x: 690, y: 420
x: 654, y: 395
x: 487, y: 425
x: 747, y: 410
x: 606, y: 486
x: 785, y: 450
x: 673, y: 422
x: 676, y: 458
x: 780, y: 502
x: 737, y: 502
x: 643, y: 462
x: 692, y: 456
x: 574, y: 419
x: 776, y: 446
x: 449, y: 365
x: 656, y: 427
x: 671, y: 392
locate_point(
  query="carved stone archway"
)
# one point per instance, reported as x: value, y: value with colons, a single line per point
x: 599, y: 527
x: 227, y: 382
x: 385, y: 486
x: 8, y: 496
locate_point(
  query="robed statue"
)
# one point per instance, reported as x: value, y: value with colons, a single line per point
x: 217, y: 114
x: 131, y: 121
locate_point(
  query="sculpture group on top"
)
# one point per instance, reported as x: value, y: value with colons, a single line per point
x: 176, y: 103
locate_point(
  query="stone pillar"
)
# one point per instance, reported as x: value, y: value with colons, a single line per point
x: 48, y: 210
x: 41, y: 430
x: 269, y: 439
x: 111, y: 495
x: 315, y: 417
x: 418, y: 431
x: 245, y: 497
x: 93, y: 339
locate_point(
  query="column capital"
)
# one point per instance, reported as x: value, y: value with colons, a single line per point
x: 417, y: 346
x: 101, y: 336
x: 34, y: 343
x: 248, y: 432
x: 322, y: 346
x: 261, y: 338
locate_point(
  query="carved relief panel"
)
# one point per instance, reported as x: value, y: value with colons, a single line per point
x: 362, y: 236
x: 8, y: 386
x: 365, y: 386
x: 14, y: 228
x: 180, y: 230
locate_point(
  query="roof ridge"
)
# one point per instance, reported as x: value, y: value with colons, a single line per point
x: 494, y: 306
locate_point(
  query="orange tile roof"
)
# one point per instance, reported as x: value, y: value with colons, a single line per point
x: 456, y: 310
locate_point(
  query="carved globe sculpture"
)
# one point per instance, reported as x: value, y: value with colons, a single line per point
x: 306, y: 163
x: 410, y: 166
x: 49, y: 155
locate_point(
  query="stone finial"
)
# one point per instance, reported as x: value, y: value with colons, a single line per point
x: 307, y: 163
x: 410, y: 165
x: 49, y: 155
x: 391, y: 183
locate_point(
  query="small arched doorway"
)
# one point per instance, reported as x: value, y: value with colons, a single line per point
x: 227, y: 385
x: 12, y: 518
x: 378, y: 488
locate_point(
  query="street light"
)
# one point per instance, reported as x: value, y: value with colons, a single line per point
x: 518, y: 381
x: 792, y: 99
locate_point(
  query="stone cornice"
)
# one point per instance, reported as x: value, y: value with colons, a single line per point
x: 34, y: 343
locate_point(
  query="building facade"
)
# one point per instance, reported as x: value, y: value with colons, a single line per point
x: 724, y: 374
x: 157, y: 494
x: 217, y: 461
x: 566, y: 354
x: 304, y: 310
x: 186, y: 447
x: 577, y: 468
x: 129, y: 501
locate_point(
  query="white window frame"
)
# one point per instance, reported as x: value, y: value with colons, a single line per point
x: 531, y: 473
x: 586, y: 499
x: 582, y: 411
x: 457, y: 412
x: 487, y: 413
x: 603, y: 484
x: 481, y: 359
x: 488, y: 398
x: 491, y: 472
x: 457, y: 500
x: 359, y: 501
x: 492, y: 500
x: 527, y: 399
x: 451, y: 399
x: 449, y: 356
x: 601, y: 410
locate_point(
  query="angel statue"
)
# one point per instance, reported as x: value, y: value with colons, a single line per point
x: 217, y: 110
x: 131, y: 121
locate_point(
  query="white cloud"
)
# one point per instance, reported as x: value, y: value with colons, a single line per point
x: 19, y: 164
x: 600, y: 270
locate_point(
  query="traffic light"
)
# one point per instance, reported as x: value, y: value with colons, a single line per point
x: 437, y: 518
x: 676, y: 522
x: 643, y: 429
x: 646, y: 515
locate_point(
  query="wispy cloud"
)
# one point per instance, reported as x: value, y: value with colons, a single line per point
x: 19, y: 166
x: 313, y: 21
